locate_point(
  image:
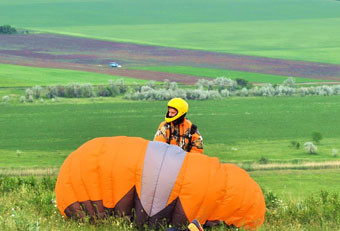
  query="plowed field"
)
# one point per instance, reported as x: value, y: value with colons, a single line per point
x: 66, y: 52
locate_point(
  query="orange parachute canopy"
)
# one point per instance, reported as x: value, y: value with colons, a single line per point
x: 118, y: 175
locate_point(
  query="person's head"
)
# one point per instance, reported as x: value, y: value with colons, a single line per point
x: 177, y: 109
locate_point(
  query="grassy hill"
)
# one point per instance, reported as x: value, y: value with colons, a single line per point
x: 236, y: 129
x: 303, y: 30
x: 213, y: 73
x: 21, y: 76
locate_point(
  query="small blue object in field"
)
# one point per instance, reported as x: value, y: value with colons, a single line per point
x: 114, y: 64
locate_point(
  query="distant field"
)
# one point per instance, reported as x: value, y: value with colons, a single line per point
x: 18, y: 76
x: 213, y: 73
x: 235, y: 129
x: 286, y: 29
x: 82, y: 54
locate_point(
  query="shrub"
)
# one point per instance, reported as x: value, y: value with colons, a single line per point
x: 201, y: 83
x: 243, y: 83
x: 213, y: 95
x: 284, y: 91
x: 316, y: 137
x: 87, y: 90
x: 290, y: 82
x: 72, y: 90
x: 323, y: 90
x: 60, y: 91
x: 225, y: 93
x: 7, y: 29
x: 303, y: 91
x: 22, y: 99
x: 137, y: 87
x: 335, y: 152
x: 295, y: 144
x: 263, y: 160
x: 151, y: 84
x: 225, y: 83
x: 30, y: 99
x: 117, y: 87
x: 193, y: 94
x: 173, y: 86
x: 272, y: 201
x: 166, y: 84
x: 267, y: 90
x: 310, y: 147
x: 5, y: 99
x: 103, y: 91
x: 244, y: 92
x: 36, y: 91
x: 336, y: 89
x: 51, y: 92
x: 28, y: 92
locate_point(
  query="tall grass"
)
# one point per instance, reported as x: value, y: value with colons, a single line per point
x: 29, y: 204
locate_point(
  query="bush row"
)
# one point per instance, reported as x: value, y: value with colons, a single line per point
x: 205, y: 89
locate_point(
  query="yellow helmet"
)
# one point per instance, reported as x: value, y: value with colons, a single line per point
x: 180, y: 105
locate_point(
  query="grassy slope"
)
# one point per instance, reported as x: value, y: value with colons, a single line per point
x: 213, y: 73
x: 14, y: 76
x: 303, y: 30
x: 297, y: 184
x: 242, y: 129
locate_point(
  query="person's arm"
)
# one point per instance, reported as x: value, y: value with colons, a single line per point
x: 197, y: 142
x: 161, y: 133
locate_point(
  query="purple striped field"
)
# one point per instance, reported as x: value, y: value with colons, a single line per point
x: 66, y: 52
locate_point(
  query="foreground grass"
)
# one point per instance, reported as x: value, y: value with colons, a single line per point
x: 21, y: 76
x: 29, y: 204
x: 213, y: 73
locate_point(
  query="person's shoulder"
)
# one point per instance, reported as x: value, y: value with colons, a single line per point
x: 188, y: 122
x: 162, y: 124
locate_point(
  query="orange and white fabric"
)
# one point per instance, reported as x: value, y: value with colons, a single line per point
x: 119, y: 175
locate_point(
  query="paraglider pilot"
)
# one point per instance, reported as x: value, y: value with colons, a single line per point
x: 178, y: 130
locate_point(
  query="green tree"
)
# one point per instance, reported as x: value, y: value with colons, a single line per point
x: 316, y: 136
x: 7, y: 29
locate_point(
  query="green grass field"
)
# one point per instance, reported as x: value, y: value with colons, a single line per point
x: 294, y: 185
x: 21, y: 76
x: 213, y: 73
x: 296, y: 30
x: 234, y: 129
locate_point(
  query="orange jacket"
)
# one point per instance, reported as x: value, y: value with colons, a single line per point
x: 118, y: 175
x: 180, y: 136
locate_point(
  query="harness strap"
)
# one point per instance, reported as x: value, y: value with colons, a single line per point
x: 170, y: 133
x: 192, y: 131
